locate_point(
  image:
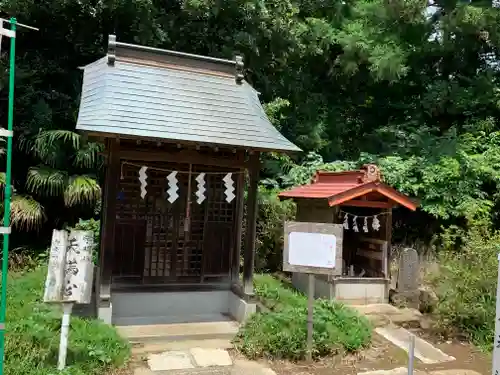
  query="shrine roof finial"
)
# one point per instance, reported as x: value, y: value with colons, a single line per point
x: 371, y: 173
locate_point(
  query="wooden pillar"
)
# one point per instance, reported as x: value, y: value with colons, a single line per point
x: 108, y: 219
x: 240, y: 208
x: 388, y: 238
x: 249, y: 259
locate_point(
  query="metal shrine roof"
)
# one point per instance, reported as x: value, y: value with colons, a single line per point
x: 341, y: 187
x: 140, y: 91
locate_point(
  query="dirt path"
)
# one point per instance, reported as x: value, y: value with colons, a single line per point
x: 384, y: 356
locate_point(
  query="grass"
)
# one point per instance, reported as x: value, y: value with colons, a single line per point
x: 281, y: 332
x: 33, y: 328
x: 466, y: 287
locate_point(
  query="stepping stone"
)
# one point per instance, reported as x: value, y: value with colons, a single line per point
x: 244, y: 367
x: 454, y: 372
x: 173, y: 360
x: 143, y: 371
x: 395, y: 371
x: 424, y: 351
x: 204, y: 357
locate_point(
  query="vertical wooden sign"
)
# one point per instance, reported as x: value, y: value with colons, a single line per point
x: 69, y: 277
x: 70, y: 272
x: 55, y: 275
x: 78, y: 271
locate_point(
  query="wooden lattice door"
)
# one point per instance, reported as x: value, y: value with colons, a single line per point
x: 164, y: 246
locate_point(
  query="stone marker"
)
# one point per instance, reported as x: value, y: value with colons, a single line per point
x: 408, y: 271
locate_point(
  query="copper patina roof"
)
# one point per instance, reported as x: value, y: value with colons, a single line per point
x: 341, y: 187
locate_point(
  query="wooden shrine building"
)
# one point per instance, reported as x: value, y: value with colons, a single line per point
x: 362, y: 204
x: 181, y: 132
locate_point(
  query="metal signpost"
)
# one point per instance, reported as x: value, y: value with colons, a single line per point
x: 496, y: 340
x: 411, y: 355
x: 5, y: 229
x: 8, y: 133
x: 311, y: 248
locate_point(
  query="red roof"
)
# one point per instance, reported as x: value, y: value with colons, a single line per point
x: 341, y: 187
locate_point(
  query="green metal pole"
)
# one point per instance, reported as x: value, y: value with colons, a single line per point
x: 8, y: 192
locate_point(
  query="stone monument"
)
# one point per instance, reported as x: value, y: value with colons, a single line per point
x: 408, y: 276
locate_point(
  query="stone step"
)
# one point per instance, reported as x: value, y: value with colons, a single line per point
x: 141, y: 334
x: 193, y: 371
x: 384, y: 314
x: 143, y: 348
x: 424, y: 351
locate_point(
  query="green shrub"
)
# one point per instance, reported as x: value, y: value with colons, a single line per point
x: 33, y: 328
x: 282, y: 332
x: 94, y: 226
x: 275, y: 295
x: 272, y: 213
x: 466, y: 287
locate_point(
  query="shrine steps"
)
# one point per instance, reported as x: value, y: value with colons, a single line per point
x: 163, y: 308
x: 161, y: 337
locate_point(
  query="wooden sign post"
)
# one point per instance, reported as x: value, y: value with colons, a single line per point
x: 69, y: 277
x: 312, y: 248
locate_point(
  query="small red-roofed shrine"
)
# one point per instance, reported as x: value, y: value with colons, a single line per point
x: 362, y: 203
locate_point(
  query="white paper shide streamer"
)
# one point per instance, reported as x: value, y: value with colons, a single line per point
x: 200, y: 193
x: 142, y: 179
x: 375, y: 223
x: 229, y: 184
x: 172, y: 187
x: 365, y: 225
x: 346, y: 222
x: 355, y: 224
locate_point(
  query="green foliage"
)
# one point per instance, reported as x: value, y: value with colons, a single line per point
x: 95, y: 227
x: 272, y: 214
x: 458, y: 178
x: 281, y: 333
x: 27, y: 213
x: 33, y: 334
x: 353, y: 81
x: 466, y: 285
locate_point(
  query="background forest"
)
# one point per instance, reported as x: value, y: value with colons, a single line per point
x: 411, y: 85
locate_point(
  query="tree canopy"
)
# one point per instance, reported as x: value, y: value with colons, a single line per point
x: 410, y: 84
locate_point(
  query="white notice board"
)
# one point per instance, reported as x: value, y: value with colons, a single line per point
x: 312, y: 249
